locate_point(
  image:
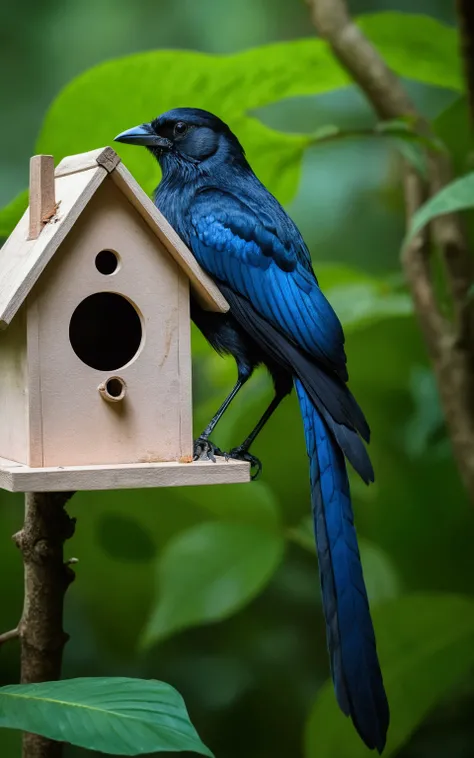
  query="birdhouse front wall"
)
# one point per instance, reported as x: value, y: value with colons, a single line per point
x: 109, y: 318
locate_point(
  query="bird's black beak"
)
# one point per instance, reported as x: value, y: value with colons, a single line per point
x: 143, y: 135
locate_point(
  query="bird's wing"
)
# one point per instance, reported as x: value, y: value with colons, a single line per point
x: 233, y: 245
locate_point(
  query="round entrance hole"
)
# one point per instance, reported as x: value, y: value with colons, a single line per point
x: 105, y: 331
x: 106, y: 262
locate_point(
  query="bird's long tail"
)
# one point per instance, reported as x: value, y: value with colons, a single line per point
x: 350, y: 635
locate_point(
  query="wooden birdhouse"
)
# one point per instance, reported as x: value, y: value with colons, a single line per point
x: 95, y: 354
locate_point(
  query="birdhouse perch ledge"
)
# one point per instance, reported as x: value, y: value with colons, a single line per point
x: 95, y: 349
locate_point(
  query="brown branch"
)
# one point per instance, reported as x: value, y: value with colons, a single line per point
x: 13, y: 634
x: 451, y: 345
x: 47, y: 578
x: 465, y: 11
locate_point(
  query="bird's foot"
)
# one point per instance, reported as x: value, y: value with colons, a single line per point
x: 205, y: 450
x: 240, y: 454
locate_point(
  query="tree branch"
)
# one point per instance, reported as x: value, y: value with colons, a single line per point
x: 13, y: 634
x: 450, y: 345
x: 47, y: 526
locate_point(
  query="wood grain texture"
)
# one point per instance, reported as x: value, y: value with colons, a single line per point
x: 33, y: 383
x: 22, y: 260
x: 103, y: 156
x: 185, y: 370
x: 13, y: 391
x: 17, y: 478
x: 78, y: 427
x: 205, y: 289
x: 42, y: 205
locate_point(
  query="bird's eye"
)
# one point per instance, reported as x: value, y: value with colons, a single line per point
x: 180, y: 128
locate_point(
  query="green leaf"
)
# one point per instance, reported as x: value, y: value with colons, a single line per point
x: 232, y: 86
x: 118, y: 716
x: 426, y: 648
x: 209, y: 572
x: 417, y: 47
x: 360, y: 300
x: 456, y: 196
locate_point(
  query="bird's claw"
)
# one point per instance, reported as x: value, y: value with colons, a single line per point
x: 205, y: 450
x: 240, y: 454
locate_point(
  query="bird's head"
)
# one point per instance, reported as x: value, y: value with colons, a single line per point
x: 186, y: 137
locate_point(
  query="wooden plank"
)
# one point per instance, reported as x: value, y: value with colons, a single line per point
x: 205, y: 289
x: 6, y: 463
x: 184, y: 369
x: 42, y: 203
x: 103, y: 156
x: 18, y: 478
x: 33, y: 383
x: 14, y: 391
x: 22, y: 260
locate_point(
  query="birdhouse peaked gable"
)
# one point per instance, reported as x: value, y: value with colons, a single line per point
x: 76, y: 180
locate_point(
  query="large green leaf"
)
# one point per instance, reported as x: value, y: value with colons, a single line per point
x: 417, y: 47
x: 426, y: 646
x: 112, y: 715
x: 115, y: 95
x: 208, y: 572
x: 456, y: 196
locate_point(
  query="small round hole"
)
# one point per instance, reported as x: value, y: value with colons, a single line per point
x: 113, y: 390
x: 106, y: 262
x: 114, y: 386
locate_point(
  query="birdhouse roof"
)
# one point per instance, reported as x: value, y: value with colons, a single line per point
x: 76, y: 179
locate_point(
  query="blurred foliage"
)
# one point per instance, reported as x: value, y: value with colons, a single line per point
x: 231, y: 87
x: 425, y: 647
x: 113, y: 715
x: 157, y: 567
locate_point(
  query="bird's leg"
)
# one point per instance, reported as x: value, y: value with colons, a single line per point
x: 204, y: 449
x: 241, y: 453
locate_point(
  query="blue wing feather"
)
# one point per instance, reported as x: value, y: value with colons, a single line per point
x: 234, y: 247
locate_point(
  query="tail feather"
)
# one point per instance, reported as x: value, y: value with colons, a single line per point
x: 351, y: 641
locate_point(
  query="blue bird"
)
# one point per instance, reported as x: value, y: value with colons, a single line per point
x: 278, y: 317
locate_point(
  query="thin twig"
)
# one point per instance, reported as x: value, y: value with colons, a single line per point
x: 450, y: 344
x: 13, y: 634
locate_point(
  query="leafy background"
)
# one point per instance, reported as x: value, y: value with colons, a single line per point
x: 215, y: 590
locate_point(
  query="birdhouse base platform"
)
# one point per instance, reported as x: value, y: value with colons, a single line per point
x: 16, y: 477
